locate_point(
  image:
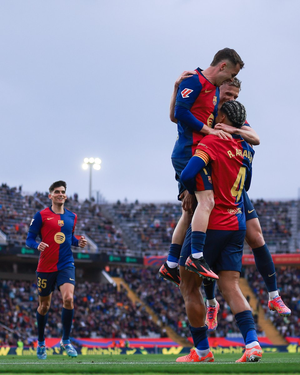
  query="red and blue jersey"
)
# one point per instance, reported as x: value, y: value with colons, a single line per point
x: 231, y: 162
x: 56, y: 230
x: 196, y: 105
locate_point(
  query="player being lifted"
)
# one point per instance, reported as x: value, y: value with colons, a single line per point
x: 55, y: 225
x: 231, y: 166
x: 195, y: 110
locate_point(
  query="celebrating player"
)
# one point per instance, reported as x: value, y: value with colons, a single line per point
x: 254, y: 235
x: 195, y: 110
x: 231, y: 165
x: 55, y: 225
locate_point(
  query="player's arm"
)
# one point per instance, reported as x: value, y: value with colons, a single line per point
x: 34, y: 230
x: 194, y: 166
x: 184, y: 75
x: 248, y: 133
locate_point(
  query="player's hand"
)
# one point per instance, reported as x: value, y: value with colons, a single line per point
x: 221, y: 134
x: 82, y: 242
x: 184, y: 75
x: 188, y: 202
x: 225, y: 128
x: 42, y: 246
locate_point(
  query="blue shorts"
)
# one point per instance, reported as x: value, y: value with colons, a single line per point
x: 203, y: 179
x: 249, y: 209
x: 46, y: 281
x: 223, y: 249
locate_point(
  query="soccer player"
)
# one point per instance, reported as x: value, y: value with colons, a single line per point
x: 195, y: 110
x: 55, y: 226
x: 254, y: 236
x: 231, y: 166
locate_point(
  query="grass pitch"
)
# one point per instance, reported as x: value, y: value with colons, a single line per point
x: 272, y: 363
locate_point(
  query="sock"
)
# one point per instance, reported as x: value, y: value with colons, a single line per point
x: 253, y: 343
x: 66, y: 318
x: 198, y: 242
x: 246, y: 325
x: 173, y: 256
x: 211, y: 302
x: 265, y: 266
x: 209, y: 287
x: 273, y: 295
x: 200, y: 340
x: 41, y: 323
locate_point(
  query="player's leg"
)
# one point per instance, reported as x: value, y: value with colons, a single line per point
x: 169, y: 270
x: 212, y: 305
x: 229, y: 287
x: 66, y: 284
x: 229, y: 264
x: 205, y: 204
x: 263, y: 259
x: 195, y: 309
x: 45, y: 284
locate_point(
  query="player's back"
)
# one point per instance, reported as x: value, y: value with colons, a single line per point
x: 231, y: 162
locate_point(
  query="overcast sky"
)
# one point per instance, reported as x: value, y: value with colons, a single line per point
x: 94, y: 78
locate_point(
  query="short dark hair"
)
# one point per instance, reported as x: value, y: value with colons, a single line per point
x: 57, y: 184
x: 227, y: 54
x: 236, y: 83
x: 235, y: 112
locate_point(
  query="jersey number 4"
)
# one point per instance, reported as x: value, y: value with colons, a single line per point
x: 238, y: 186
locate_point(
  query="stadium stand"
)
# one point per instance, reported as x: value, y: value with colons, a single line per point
x: 101, y: 311
x: 135, y: 228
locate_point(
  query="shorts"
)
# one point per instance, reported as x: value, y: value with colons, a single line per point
x: 223, y: 249
x: 203, y: 179
x: 249, y: 209
x: 46, y: 281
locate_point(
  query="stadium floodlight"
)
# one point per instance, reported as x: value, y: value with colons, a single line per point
x: 89, y: 163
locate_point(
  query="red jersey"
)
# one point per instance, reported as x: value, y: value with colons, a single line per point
x: 231, y: 167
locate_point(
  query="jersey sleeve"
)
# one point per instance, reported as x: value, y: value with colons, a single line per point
x: 36, y: 224
x: 209, y: 145
x: 188, y: 91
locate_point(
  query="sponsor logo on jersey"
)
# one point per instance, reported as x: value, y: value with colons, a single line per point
x: 61, y: 223
x: 210, y: 120
x: 215, y: 99
x: 49, y: 218
x: 235, y: 211
x: 59, y: 237
x: 186, y: 92
x: 207, y: 91
x: 31, y: 222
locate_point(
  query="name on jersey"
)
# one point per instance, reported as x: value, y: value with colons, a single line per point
x: 243, y: 154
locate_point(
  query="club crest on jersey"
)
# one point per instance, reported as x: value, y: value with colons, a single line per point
x: 215, y: 99
x: 186, y: 92
x: 61, y: 223
x: 59, y: 237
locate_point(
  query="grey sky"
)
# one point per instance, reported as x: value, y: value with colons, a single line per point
x: 94, y: 78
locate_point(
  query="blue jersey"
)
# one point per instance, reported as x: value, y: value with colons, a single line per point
x: 56, y: 230
x: 196, y: 105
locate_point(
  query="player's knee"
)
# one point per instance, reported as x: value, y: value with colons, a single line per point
x: 255, y: 239
x: 43, y: 308
x: 68, y: 301
x: 206, y: 202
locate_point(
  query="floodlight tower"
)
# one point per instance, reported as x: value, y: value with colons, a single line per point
x: 94, y: 163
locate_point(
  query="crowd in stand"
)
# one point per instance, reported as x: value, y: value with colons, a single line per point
x: 288, y: 279
x: 100, y: 311
x: 166, y: 301
x: 151, y: 225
